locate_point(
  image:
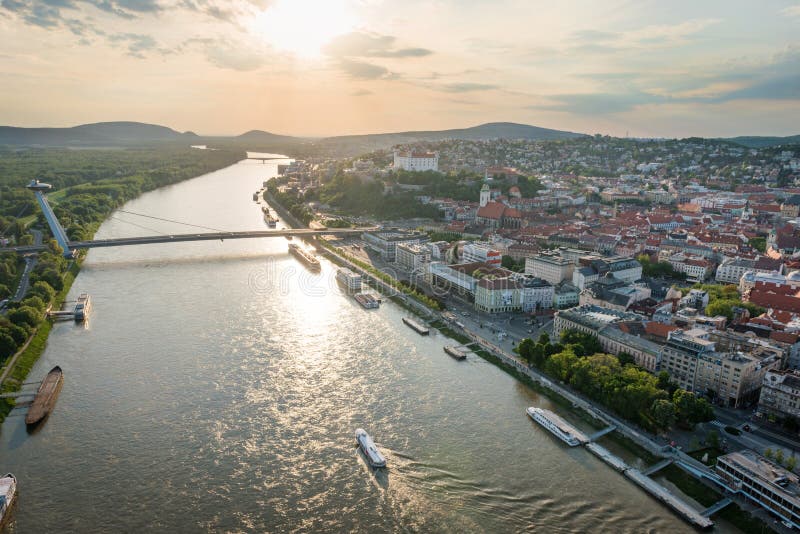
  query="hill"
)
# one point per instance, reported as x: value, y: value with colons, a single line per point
x: 96, y: 134
x: 491, y: 130
x: 754, y: 141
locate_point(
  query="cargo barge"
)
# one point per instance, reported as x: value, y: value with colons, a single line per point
x: 418, y: 328
x: 271, y: 221
x: 557, y: 426
x: 83, y: 307
x: 8, y: 494
x: 455, y: 352
x: 371, y: 452
x: 304, y: 256
x: 46, y: 396
x: 367, y: 301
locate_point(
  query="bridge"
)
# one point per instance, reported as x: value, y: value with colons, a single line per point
x: 69, y: 247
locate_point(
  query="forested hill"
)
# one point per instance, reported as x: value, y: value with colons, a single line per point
x: 97, y: 134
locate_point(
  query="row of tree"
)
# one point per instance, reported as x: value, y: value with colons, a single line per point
x: 650, y: 401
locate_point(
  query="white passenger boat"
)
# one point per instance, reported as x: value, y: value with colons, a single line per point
x: 557, y: 426
x: 373, y: 455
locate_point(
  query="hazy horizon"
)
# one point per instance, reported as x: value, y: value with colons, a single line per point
x: 340, y: 67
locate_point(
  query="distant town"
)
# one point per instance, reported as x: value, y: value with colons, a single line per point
x: 679, y: 257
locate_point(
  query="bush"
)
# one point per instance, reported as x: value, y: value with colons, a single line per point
x: 25, y: 315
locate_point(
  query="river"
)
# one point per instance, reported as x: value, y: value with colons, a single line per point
x: 217, y: 387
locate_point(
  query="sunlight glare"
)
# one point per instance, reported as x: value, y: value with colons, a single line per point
x: 304, y: 27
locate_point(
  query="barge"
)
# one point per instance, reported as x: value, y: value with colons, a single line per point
x: 367, y: 301
x: 46, y: 396
x: 8, y: 494
x: 271, y: 221
x: 455, y: 352
x: 83, y: 307
x: 415, y: 326
x: 371, y: 452
x: 304, y: 256
x: 557, y: 426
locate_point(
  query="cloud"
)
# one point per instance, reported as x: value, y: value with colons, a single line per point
x: 136, y: 43
x: 49, y: 14
x: 364, y: 45
x: 791, y: 11
x: 361, y: 92
x: 235, y: 57
x: 466, y: 87
x: 360, y: 70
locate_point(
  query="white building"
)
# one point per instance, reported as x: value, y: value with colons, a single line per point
x: 416, y: 161
x: 551, y: 267
x: 413, y: 257
x: 780, y: 394
x: 537, y: 294
x: 482, y: 252
x: 385, y: 242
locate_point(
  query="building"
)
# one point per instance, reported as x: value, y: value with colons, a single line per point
x: 645, y: 353
x: 731, y: 270
x: 763, y: 482
x: 385, y: 242
x: 733, y: 378
x: 589, y: 319
x: 780, y: 395
x: 413, y: 257
x: 697, y: 268
x: 591, y: 268
x: 550, y: 266
x: 416, y: 161
x: 609, y: 292
x: 478, y: 251
x: 498, y: 295
x: 565, y: 295
x: 537, y: 294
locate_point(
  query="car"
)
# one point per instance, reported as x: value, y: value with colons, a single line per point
x: 747, y: 428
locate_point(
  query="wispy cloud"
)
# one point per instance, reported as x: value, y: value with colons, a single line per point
x: 366, y: 45
x: 361, y: 70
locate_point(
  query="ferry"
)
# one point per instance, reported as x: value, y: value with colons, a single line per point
x: 8, y: 492
x: 415, y: 326
x: 304, y: 256
x: 268, y: 218
x: 350, y: 280
x: 455, y: 352
x: 83, y: 307
x: 373, y: 455
x: 46, y: 396
x: 557, y: 426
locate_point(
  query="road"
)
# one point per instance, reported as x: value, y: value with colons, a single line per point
x: 30, y: 263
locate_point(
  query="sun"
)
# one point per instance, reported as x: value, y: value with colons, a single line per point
x: 304, y: 27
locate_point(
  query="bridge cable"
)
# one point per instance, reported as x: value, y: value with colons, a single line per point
x: 173, y: 221
x: 139, y: 225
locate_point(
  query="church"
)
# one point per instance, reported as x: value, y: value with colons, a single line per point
x: 496, y: 215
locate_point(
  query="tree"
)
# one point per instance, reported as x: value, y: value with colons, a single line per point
x: 713, y: 439
x: 525, y: 350
x: 791, y: 463
x: 7, y: 345
x: 758, y: 243
x: 560, y: 365
x: 25, y: 315
x: 663, y: 413
x: 43, y: 290
x: 768, y: 453
x: 779, y: 456
x: 544, y: 339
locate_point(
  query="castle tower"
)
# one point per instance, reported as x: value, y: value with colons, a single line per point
x: 485, y: 194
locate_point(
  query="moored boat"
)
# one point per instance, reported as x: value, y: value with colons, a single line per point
x: 557, y: 426
x: 350, y: 281
x: 371, y: 452
x: 455, y: 352
x: 82, y: 307
x: 304, y: 256
x: 8, y: 493
x: 46, y: 396
x: 415, y: 326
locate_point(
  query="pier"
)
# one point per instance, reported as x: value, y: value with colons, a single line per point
x: 415, y: 326
x: 657, y: 467
x: 599, y: 434
x: 659, y: 492
x: 716, y: 507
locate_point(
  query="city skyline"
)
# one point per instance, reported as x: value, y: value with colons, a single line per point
x: 306, y: 68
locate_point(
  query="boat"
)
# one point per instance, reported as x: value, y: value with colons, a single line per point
x: 46, y: 396
x: 455, y: 352
x: 557, y: 426
x: 418, y: 328
x: 367, y: 301
x: 304, y: 256
x: 271, y: 221
x: 255, y: 196
x: 373, y: 455
x: 83, y: 307
x: 8, y: 492
x: 350, y: 280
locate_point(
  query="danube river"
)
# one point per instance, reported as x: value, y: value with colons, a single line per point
x: 217, y: 387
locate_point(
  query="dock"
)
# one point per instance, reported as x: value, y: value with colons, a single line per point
x: 418, y: 328
x: 657, y: 467
x: 456, y: 352
x: 599, y: 434
x: 662, y: 494
x: 367, y: 300
x: 604, y: 454
x: 716, y: 507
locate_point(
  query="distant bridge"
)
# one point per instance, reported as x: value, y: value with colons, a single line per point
x: 70, y: 246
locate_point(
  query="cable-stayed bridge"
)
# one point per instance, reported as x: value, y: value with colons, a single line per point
x: 70, y: 247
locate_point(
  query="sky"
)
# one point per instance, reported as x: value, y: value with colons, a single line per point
x: 332, y: 67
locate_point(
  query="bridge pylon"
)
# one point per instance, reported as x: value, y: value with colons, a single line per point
x: 39, y: 189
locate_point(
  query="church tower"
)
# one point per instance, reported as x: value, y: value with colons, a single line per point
x: 485, y: 194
